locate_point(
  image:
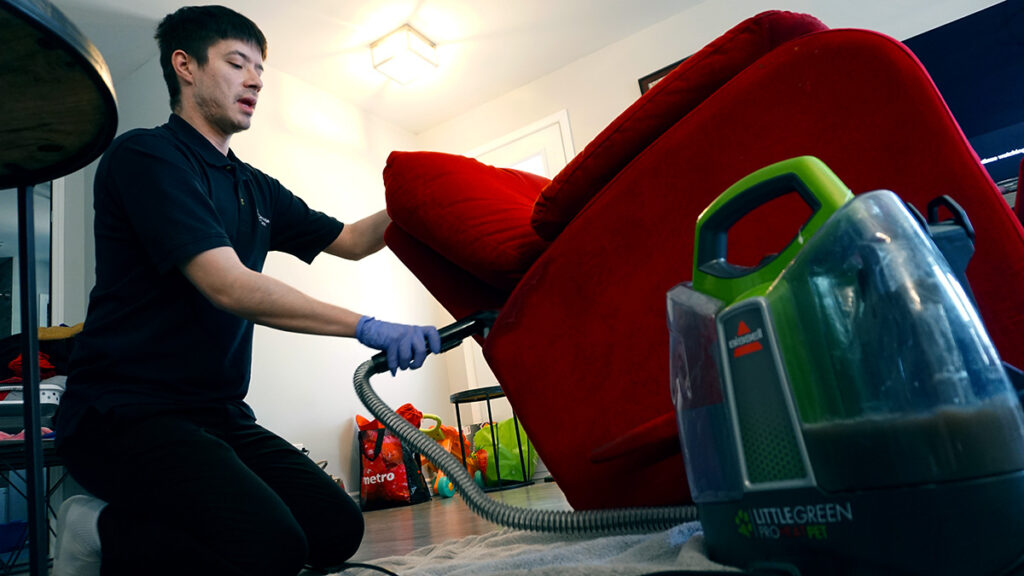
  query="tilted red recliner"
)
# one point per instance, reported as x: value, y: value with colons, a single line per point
x: 579, y: 266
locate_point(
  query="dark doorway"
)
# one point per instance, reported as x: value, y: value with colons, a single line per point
x: 6, y: 295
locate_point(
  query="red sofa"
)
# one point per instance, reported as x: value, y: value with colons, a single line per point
x: 579, y: 266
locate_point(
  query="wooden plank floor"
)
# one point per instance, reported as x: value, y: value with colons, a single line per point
x: 397, y: 531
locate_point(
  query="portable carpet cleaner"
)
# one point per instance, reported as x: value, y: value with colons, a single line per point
x: 841, y: 407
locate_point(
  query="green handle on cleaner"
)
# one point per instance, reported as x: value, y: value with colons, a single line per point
x: 808, y: 176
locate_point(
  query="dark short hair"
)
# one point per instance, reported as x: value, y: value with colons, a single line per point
x: 194, y: 29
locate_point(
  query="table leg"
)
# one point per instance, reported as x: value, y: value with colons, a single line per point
x: 494, y: 440
x: 519, y: 443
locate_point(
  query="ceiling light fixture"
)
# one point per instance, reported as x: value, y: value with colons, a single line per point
x: 404, y: 55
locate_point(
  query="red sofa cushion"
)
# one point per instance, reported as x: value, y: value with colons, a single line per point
x: 458, y: 291
x: 474, y: 215
x: 675, y: 96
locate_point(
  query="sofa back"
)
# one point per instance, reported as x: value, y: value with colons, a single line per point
x: 675, y: 96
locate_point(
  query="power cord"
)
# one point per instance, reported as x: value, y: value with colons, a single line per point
x: 754, y: 569
x: 349, y: 565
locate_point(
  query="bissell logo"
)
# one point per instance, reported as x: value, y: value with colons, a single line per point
x: 746, y: 341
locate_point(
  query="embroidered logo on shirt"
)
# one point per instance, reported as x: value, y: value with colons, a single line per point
x: 263, y: 221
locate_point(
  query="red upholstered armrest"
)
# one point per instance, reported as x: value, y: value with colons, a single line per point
x: 475, y: 216
x: 692, y: 82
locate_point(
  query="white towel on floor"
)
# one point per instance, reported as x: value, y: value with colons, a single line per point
x: 514, y: 552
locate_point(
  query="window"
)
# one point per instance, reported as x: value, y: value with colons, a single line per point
x: 10, y: 293
x: 543, y: 148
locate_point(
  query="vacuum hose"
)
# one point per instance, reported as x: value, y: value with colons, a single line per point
x: 570, y: 522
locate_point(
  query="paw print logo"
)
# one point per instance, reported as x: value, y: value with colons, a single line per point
x: 743, y: 523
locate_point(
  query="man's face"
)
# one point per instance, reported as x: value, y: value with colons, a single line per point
x: 228, y: 85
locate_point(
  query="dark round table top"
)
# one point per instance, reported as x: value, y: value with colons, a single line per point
x: 476, y: 394
x: 59, y: 111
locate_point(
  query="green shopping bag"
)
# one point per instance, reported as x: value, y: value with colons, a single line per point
x: 508, y: 453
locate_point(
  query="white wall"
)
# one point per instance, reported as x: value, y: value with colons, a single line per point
x: 141, y: 103
x: 596, y: 88
x: 77, y: 244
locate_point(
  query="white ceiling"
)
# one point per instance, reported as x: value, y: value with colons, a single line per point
x: 486, y: 47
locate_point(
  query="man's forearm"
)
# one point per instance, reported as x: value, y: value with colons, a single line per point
x: 270, y: 302
x: 361, y: 238
x: 232, y: 287
x: 229, y: 285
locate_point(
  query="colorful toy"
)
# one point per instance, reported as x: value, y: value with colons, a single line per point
x: 449, y: 438
x: 443, y: 486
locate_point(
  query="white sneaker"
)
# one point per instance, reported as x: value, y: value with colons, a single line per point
x: 77, y: 550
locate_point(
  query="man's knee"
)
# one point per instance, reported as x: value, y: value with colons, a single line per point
x: 338, y: 536
x: 274, y: 550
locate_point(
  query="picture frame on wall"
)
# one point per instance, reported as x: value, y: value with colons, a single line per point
x: 648, y: 81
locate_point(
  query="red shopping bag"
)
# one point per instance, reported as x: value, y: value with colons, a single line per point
x: 390, y: 473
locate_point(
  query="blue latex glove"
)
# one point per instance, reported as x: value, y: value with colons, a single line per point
x: 406, y: 346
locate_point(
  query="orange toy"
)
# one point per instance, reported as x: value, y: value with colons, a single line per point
x: 448, y: 437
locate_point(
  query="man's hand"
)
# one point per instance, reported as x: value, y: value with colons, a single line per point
x: 406, y: 346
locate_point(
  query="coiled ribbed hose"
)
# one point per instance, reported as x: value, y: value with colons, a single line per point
x: 570, y: 522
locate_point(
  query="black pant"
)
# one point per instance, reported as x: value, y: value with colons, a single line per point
x: 208, y: 492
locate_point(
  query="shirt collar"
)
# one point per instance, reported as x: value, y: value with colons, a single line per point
x: 210, y: 154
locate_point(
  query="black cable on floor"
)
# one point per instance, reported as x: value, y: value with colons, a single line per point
x: 349, y: 565
x: 699, y: 572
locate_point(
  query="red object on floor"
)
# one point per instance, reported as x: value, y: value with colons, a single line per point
x: 390, y: 474
x: 580, y: 345
x: 46, y: 369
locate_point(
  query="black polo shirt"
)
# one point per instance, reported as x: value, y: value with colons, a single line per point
x: 151, y: 339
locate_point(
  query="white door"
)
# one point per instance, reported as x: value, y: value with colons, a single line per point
x: 542, y: 148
